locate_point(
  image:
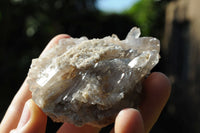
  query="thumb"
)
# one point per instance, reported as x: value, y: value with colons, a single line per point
x: 32, y: 120
x: 129, y: 121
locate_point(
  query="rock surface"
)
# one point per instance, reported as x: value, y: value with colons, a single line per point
x: 84, y: 81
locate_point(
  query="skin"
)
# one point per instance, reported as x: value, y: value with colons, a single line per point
x: 24, y: 116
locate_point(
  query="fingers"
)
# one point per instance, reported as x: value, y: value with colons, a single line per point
x: 54, y: 41
x: 156, y: 90
x: 14, y: 111
x: 32, y: 120
x: 70, y: 128
x: 129, y: 121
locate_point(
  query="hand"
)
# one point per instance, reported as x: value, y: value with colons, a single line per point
x: 24, y: 116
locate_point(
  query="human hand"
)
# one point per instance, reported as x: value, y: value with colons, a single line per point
x: 24, y: 116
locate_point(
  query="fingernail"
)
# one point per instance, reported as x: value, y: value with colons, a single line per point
x: 25, y: 115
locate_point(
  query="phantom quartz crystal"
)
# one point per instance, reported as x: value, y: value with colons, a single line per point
x: 82, y: 81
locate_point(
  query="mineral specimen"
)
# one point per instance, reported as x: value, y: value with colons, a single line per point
x: 84, y: 81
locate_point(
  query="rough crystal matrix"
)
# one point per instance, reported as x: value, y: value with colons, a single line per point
x: 84, y: 81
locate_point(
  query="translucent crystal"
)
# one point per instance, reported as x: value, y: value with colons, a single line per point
x: 84, y: 81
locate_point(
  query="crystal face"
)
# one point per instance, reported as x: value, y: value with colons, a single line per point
x: 84, y: 81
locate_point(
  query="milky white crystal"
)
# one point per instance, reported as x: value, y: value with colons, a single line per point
x: 84, y: 81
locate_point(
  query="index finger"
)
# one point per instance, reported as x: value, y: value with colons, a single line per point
x: 156, y: 90
x: 14, y: 111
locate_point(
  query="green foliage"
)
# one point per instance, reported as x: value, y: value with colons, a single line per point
x: 145, y: 13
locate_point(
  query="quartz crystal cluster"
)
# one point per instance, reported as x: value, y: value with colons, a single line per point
x: 84, y: 81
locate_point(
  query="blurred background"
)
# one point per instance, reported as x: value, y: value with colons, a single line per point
x: 26, y: 26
